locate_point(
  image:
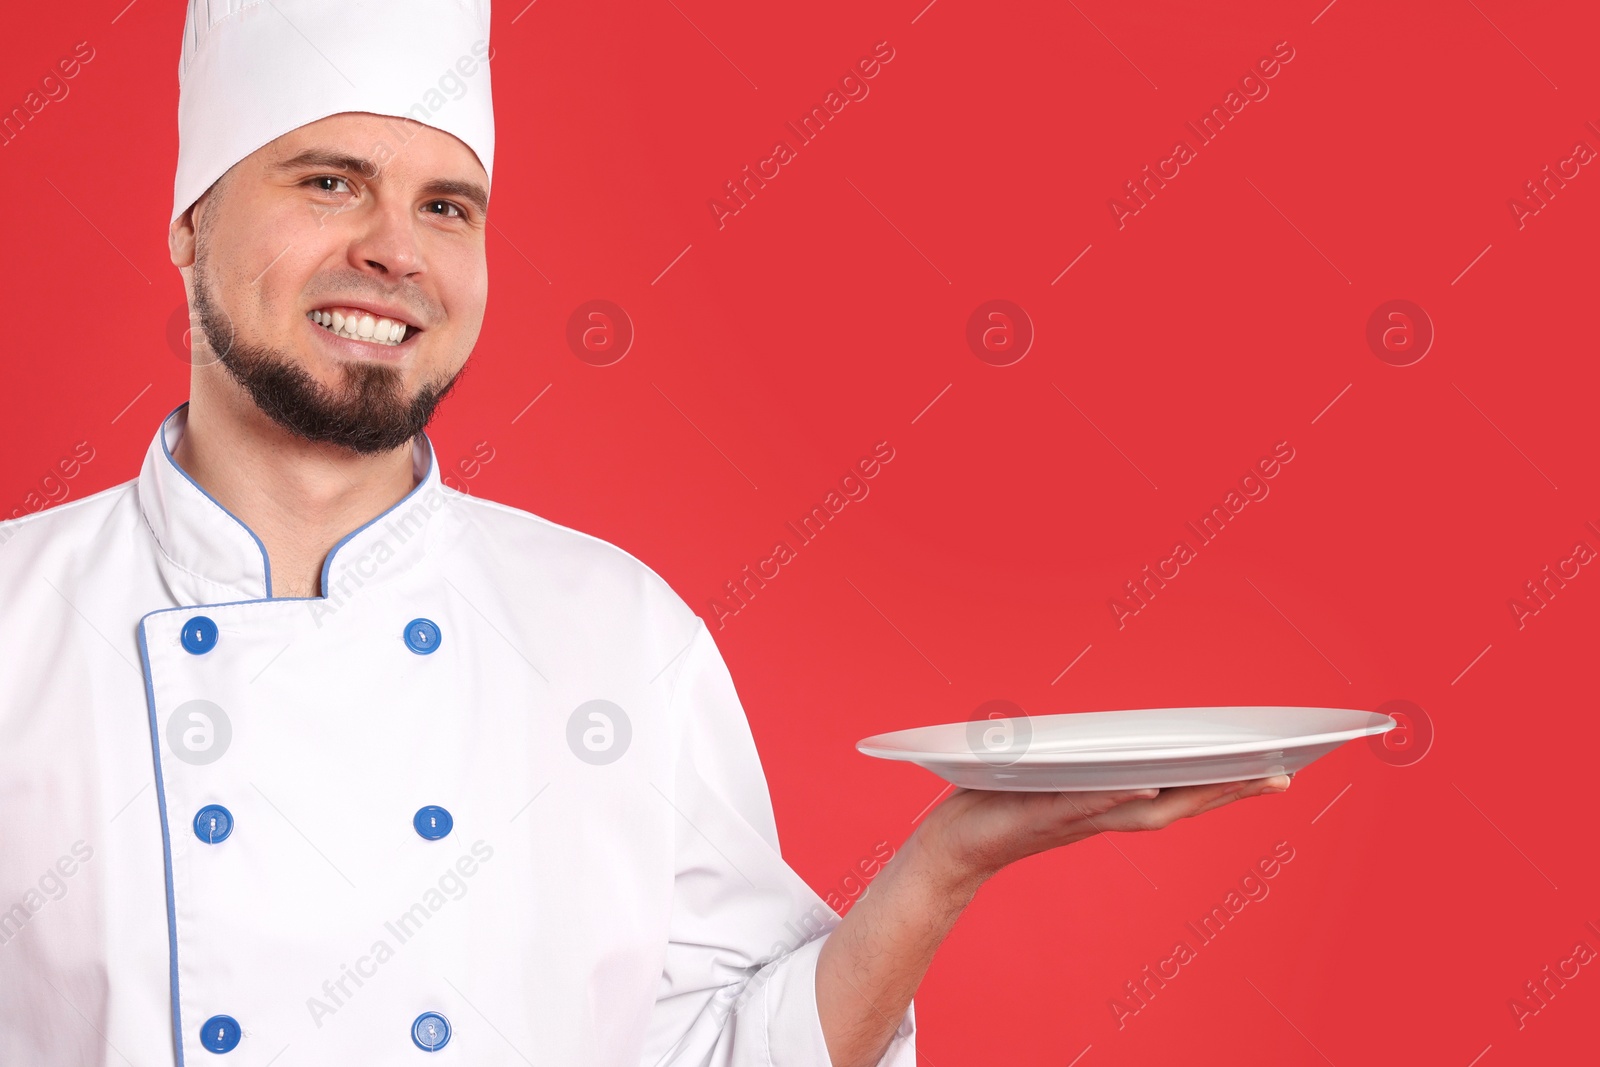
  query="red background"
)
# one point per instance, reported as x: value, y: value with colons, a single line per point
x: 827, y: 315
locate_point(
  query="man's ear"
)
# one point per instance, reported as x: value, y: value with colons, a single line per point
x: 180, y: 239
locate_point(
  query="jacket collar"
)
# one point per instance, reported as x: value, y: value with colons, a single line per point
x: 210, y: 556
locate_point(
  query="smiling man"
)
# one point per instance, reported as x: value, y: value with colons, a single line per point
x: 339, y: 285
x: 351, y: 308
x: 311, y: 760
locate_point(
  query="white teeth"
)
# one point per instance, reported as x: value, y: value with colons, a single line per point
x: 381, y: 331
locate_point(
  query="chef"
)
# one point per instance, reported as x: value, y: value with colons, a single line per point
x: 308, y: 759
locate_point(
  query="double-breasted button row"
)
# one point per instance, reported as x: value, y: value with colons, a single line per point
x: 430, y: 1032
x: 213, y: 824
x: 199, y: 636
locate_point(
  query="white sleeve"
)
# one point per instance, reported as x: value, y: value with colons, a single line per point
x: 739, y: 986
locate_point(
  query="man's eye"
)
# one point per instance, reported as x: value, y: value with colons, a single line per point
x: 448, y: 206
x: 334, y: 179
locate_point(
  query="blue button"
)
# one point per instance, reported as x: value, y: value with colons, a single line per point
x: 432, y: 822
x: 199, y: 635
x: 431, y: 1031
x: 220, y: 1033
x: 213, y: 823
x: 422, y: 636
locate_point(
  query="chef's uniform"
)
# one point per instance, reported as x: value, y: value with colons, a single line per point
x: 491, y: 798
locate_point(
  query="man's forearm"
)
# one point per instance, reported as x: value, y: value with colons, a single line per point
x: 873, y: 961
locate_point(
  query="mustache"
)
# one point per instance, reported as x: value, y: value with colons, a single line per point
x: 367, y: 412
x: 354, y: 287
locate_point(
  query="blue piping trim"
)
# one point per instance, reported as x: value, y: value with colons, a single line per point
x: 150, y: 694
x: 161, y: 435
x: 266, y: 563
x: 161, y: 791
x: 166, y: 837
x: 327, y: 564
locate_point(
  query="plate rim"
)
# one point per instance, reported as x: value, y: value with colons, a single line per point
x: 972, y: 759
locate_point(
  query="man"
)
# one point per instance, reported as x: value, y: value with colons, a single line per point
x: 309, y: 759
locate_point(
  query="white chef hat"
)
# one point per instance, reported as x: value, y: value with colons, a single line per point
x: 252, y: 70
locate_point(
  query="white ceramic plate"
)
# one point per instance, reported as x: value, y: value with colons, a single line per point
x: 1148, y: 748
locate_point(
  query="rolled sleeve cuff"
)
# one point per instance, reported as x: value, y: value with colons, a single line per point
x: 794, y: 1035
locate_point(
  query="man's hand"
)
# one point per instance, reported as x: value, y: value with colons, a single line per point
x: 975, y: 833
x: 872, y: 963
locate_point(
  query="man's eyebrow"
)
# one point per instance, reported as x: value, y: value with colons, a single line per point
x: 321, y: 157
x: 471, y: 192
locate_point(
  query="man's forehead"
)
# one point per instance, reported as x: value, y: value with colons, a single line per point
x: 381, y: 148
x: 388, y: 141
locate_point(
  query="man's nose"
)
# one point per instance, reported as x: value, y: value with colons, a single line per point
x: 386, y: 242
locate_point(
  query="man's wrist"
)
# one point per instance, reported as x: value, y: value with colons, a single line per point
x: 937, y: 872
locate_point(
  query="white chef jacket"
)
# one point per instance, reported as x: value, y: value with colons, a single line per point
x: 332, y: 830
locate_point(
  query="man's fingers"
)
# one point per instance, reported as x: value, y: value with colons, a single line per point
x: 1174, y: 804
x: 1226, y: 798
x: 1076, y: 807
x: 1258, y: 787
x: 1183, y: 802
x: 1133, y: 812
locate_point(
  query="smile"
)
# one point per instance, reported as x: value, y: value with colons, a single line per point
x: 358, y: 325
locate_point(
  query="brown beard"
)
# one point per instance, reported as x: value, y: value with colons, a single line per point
x: 367, y: 412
